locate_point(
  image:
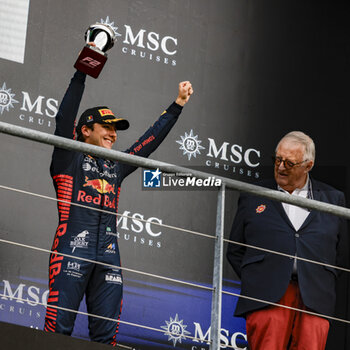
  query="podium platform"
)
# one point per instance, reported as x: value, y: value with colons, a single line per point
x: 14, y: 337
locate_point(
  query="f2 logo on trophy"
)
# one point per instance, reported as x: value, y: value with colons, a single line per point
x: 92, y: 58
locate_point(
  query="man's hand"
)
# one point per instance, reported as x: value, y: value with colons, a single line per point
x: 185, y: 92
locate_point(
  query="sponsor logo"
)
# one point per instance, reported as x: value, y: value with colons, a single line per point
x: 105, y: 111
x: 100, y: 185
x: 151, y: 178
x: 97, y: 200
x: 39, y: 110
x: 86, y: 166
x: 89, y: 159
x: 22, y: 293
x: 80, y: 241
x: 109, y: 232
x: 73, y: 265
x: 147, y: 45
x: 136, y: 229
x: 113, y: 278
x: 235, y: 340
x: 73, y: 269
x: 44, y: 109
x: 175, y: 330
x: 56, y: 260
x: 90, y: 165
x: 190, y: 145
x: 20, y: 303
x: 223, y: 156
x: 111, y: 248
x: 6, y: 99
x: 109, y: 164
x: 144, y: 143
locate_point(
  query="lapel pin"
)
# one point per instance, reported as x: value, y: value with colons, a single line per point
x: 260, y: 208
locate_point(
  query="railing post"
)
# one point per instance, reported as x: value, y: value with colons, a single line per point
x: 217, y: 273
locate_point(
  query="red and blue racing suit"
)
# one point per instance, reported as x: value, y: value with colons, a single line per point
x: 82, y: 232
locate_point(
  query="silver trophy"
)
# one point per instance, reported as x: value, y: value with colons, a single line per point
x: 103, y: 35
x: 92, y: 58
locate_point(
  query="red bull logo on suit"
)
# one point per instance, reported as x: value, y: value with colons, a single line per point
x: 100, y: 185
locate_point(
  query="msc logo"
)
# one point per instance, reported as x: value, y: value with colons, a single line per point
x: 6, y: 99
x: 190, y: 145
x: 43, y: 107
x: 152, y: 178
x: 146, y: 44
x: 175, y: 330
x: 223, y: 156
x: 23, y: 293
x: 152, y: 40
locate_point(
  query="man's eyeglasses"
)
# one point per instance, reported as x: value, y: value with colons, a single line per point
x: 287, y: 163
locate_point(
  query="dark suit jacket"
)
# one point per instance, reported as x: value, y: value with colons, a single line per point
x: 266, y: 275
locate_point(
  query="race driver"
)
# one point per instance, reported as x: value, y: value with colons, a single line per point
x: 91, y: 234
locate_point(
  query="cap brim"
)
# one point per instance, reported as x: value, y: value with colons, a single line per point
x: 121, y: 123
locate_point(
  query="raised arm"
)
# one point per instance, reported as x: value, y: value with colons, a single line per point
x: 65, y: 120
x: 154, y: 136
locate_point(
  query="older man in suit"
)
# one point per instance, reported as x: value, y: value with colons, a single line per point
x: 294, y: 231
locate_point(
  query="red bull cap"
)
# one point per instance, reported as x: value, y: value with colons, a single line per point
x: 101, y: 115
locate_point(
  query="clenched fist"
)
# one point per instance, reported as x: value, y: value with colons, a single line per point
x: 185, y: 92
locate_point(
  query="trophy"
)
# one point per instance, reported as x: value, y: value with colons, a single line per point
x: 92, y: 58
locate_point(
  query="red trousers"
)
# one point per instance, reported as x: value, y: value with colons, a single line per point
x: 278, y: 328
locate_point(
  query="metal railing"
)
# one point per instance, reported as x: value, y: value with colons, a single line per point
x: 72, y: 145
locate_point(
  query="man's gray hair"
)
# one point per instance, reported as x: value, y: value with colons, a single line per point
x: 305, y: 140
